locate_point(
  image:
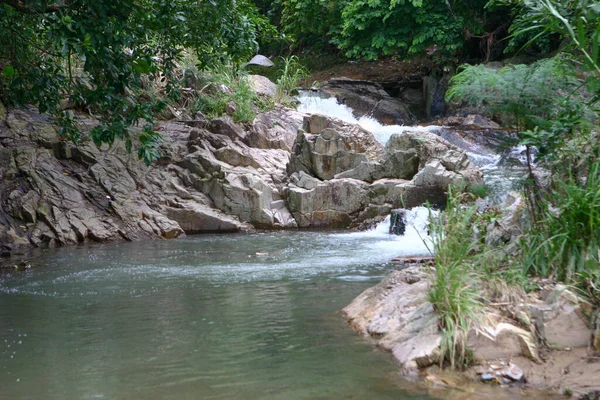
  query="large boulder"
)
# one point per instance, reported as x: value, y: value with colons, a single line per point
x: 559, y: 319
x: 262, y: 85
x: 369, y: 99
x: 398, y: 317
x: 334, y: 203
x: 327, y: 147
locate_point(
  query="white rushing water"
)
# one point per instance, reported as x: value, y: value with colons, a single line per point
x: 314, y: 104
x: 499, y: 177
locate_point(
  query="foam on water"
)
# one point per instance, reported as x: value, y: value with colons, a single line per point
x: 314, y: 104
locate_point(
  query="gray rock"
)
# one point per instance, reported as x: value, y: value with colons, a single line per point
x: 370, y: 99
x: 398, y: 222
x: 261, y: 61
x: 398, y: 317
x: 262, y: 85
x: 559, y: 319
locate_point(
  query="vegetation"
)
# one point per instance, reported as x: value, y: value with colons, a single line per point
x: 454, y: 290
x: 98, y: 56
x: 552, y: 105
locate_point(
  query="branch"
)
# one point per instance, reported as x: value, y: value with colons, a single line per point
x: 49, y: 8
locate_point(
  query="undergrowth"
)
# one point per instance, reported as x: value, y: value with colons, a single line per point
x: 454, y: 290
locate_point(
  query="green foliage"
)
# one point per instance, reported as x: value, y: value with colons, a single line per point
x: 455, y: 284
x: 99, y: 55
x: 577, y: 21
x: 524, y: 96
x: 566, y: 244
x: 371, y: 29
x: 291, y: 74
x: 408, y: 27
x: 226, y: 88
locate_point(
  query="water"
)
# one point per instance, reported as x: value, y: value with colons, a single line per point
x: 224, y: 317
x: 502, y: 172
x: 207, y: 317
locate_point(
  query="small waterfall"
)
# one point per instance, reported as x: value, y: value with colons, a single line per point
x: 312, y: 103
x: 499, y: 178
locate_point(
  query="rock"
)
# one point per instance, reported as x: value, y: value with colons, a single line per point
x: 368, y: 98
x: 398, y: 222
x: 276, y: 129
x: 262, y: 85
x: 512, y: 223
x: 479, y: 122
x: 194, y: 218
x: 331, y: 203
x: 501, y: 341
x: 331, y: 148
x: 225, y: 126
x: 512, y: 372
x: 261, y: 61
x: 487, y: 377
x: 559, y: 320
x: 397, y: 315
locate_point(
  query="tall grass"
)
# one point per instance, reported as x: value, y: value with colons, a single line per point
x: 291, y: 74
x: 455, y: 284
x: 226, y: 86
x: 566, y: 244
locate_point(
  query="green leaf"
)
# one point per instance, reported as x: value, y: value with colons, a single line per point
x: 9, y: 72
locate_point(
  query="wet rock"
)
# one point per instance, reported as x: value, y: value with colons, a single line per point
x: 397, y: 315
x: 398, y: 222
x: 332, y: 203
x: 512, y: 372
x: 195, y: 218
x: 370, y: 99
x: 487, y: 377
x: 479, y: 122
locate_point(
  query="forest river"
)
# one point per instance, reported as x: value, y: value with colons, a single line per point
x: 240, y: 316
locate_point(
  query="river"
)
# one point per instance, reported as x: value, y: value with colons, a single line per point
x: 243, y: 316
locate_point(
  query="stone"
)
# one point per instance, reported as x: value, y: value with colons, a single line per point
x: 261, y: 61
x: 479, y: 122
x: 512, y: 372
x: 398, y: 222
x: 194, y: 218
x: 491, y: 341
x: 226, y: 126
x: 368, y: 98
x: 559, y: 320
x: 397, y: 316
x: 331, y: 203
x: 262, y: 85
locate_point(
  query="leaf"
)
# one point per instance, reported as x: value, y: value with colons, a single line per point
x: 141, y: 66
x: 9, y: 72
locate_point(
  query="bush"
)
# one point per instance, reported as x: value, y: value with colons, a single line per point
x: 226, y: 87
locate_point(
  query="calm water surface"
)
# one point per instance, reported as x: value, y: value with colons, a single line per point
x: 206, y: 317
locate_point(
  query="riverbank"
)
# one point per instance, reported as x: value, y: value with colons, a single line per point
x: 541, y: 340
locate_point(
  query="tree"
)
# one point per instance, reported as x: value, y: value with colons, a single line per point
x: 97, y: 54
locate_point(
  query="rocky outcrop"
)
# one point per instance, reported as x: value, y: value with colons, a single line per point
x: 284, y: 170
x: 398, y: 316
x: 338, y: 171
x: 218, y: 177
x: 370, y: 99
